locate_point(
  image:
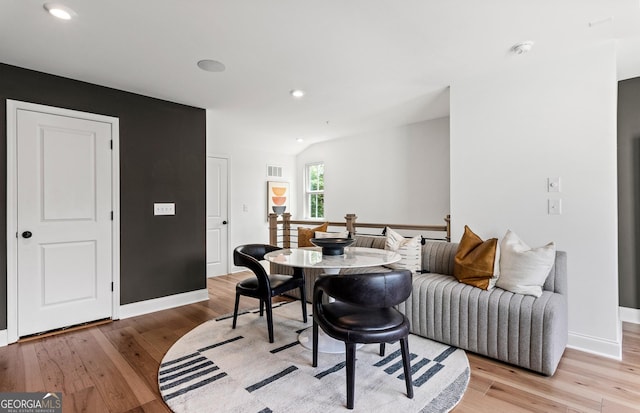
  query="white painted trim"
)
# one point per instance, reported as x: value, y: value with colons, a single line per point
x: 596, y: 345
x: 229, y: 251
x: 630, y: 315
x: 3, y: 338
x: 163, y: 303
x: 12, y: 213
x: 115, y: 224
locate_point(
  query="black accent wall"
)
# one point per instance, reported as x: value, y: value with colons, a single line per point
x: 162, y: 159
x: 629, y: 192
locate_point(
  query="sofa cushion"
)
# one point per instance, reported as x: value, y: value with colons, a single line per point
x: 370, y: 241
x: 305, y: 234
x: 410, y: 249
x: 476, y: 261
x: 524, y: 269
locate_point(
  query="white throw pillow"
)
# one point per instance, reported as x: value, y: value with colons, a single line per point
x: 410, y: 249
x: 320, y: 234
x: 523, y: 269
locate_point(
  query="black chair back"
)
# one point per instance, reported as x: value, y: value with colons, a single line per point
x: 363, y: 313
x: 376, y: 290
x: 250, y: 256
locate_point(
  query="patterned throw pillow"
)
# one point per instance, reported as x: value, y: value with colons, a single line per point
x: 410, y: 249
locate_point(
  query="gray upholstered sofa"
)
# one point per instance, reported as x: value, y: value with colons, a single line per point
x: 518, y: 329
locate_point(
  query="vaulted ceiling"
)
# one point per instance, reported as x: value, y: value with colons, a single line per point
x: 362, y: 63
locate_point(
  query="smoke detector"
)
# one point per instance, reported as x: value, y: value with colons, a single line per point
x: 522, y: 47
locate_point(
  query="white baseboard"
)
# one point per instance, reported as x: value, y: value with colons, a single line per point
x: 4, y: 338
x: 162, y: 303
x: 630, y: 315
x: 595, y: 345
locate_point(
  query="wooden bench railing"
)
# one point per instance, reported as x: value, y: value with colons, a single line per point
x: 281, y: 233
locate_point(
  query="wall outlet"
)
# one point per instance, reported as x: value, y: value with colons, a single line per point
x: 555, y: 206
x: 164, y: 208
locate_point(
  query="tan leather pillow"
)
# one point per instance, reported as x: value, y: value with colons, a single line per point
x: 476, y: 260
x: 305, y: 234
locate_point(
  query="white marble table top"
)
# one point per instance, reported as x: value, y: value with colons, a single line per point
x: 353, y: 257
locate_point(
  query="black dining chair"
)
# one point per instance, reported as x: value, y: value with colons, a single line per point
x: 363, y: 312
x: 264, y: 286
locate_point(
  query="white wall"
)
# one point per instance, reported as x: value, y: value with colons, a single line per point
x: 509, y: 132
x: 398, y: 176
x: 248, y: 185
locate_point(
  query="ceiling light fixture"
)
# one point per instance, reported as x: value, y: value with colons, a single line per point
x: 297, y: 93
x: 60, y: 11
x: 299, y: 140
x: 210, y: 65
x: 522, y: 47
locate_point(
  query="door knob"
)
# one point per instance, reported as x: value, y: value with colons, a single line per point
x: 27, y: 234
x: 224, y: 222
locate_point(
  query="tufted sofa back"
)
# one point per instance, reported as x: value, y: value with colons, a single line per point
x: 438, y: 257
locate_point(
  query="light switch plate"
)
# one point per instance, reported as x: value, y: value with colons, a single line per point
x: 555, y: 206
x: 164, y: 208
x: 553, y: 184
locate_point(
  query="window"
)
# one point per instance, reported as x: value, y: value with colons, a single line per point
x: 314, y: 190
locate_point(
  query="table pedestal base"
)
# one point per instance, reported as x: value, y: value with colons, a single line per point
x: 326, y: 344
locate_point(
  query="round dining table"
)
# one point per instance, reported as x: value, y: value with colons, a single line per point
x: 312, y: 257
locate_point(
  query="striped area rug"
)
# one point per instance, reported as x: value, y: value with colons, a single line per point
x: 215, y: 368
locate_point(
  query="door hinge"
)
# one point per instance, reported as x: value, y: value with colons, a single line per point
x: 111, y: 144
x: 112, y: 215
x: 111, y: 285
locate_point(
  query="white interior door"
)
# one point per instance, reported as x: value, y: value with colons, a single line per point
x: 64, y: 217
x: 217, y: 218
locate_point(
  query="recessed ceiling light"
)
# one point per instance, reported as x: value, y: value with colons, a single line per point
x: 299, y: 140
x: 522, y: 47
x: 210, y: 65
x: 297, y: 93
x: 60, y: 11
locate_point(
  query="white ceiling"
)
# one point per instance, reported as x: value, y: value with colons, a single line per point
x: 363, y: 63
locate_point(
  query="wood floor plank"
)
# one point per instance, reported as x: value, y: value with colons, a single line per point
x: 33, y: 373
x: 108, y: 381
x: 138, y: 386
x: 475, y: 401
x: 562, y: 387
x: 132, y: 347
x: 12, y: 376
x: 610, y: 406
x: 525, y: 399
x: 62, y: 369
x: 87, y: 400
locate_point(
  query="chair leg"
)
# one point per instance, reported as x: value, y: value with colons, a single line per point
x: 235, y: 310
x: 404, y: 346
x: 261, y: 307
x: 351, y: 373
x: 269, y: 320
x: 382, y: 349
x: 303, y: 301
x: 315, y: 344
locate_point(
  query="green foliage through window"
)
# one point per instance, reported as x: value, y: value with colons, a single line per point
x: 315, y: 190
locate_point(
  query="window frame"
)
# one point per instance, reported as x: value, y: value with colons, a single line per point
x: 308, y: 192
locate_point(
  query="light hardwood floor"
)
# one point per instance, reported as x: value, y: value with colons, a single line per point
x: 113, y: 367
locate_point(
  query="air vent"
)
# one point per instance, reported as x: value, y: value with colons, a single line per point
x: 274, y: 171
